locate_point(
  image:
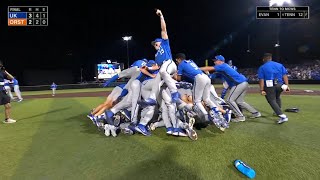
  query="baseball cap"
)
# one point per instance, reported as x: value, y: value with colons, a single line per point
x: 151, y: 63
x: 156, y: 40
x: 219, y: 57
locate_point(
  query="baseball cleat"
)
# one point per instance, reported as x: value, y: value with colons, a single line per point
x: 106, y: 130
x: 239, y: 119
x: 91, y: 117
x: 127, y: 131
x: 113, y: 130
x: 192, y: 134
x: 126, y: 114
x: 142, y: 129
x: 227, y: 115
x: 182, y: 132
x: 170, y: 130
x: 282, y: 120
x: 152, y: 127
x: 191, y: 122
x: 255, y: 115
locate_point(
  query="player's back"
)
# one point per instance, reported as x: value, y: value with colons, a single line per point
x: 188, y: 68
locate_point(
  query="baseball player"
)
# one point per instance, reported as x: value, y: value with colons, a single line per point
x: 163, y: 58
x: 4, y: 98
x: 201, y: 89
x: 146, y: 86
x: 53, y: 87
x: 272, y: 78
x: 238, y: 84
x: 17, y: 89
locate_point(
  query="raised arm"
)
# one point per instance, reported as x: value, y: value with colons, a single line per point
x: 207, y: 68
x: 9, y: 76
x: 146, y: 72
x: 164, y: 34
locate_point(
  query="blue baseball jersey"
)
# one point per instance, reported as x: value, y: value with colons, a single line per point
x: 15, y: 82
x: 272, y: 71
x: 164, y: 52
x: 53, y: 86
x: 230, y: 75
x: 189, y: 69
x: 139, y: 63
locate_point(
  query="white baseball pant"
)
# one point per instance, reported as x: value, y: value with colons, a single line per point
x: 167, y: 69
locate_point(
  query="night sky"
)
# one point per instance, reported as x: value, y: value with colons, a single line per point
x: 83, y: 33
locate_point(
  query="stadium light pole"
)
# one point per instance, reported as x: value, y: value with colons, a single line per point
x: 127, y: 39
x: 278, y: 25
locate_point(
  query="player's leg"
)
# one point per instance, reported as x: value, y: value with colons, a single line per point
x: 166, y: 119
x: 113, y: 96
x: 18, y: 92
x: 5, y: 100
x: 278, y: 93
x: 136, y: 94
x: 271, y: 98
x: 225, y: 89
x: 146, y: 88
x: 146, y: 116
x: 242, y: 88
x: 215, y: 113
x: 198, y: 88
x: 167, y: 69
x: 156, y: 88
x: 231, y: 100
x: 171, y: 107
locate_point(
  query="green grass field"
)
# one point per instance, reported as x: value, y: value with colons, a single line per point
x: 53, y: 139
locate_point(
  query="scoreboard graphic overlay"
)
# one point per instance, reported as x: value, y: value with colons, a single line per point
x: 266, y: 12
x: 27, y: 15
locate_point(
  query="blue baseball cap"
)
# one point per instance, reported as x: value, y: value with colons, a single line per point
x: 156, y: 40
x: 151, y: 63
x: 219, y: 57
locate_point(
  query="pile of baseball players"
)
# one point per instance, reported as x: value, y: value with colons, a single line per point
x: 171, y: 94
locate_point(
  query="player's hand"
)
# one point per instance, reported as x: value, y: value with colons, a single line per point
x: 175, y: 76
x: 153, y: 75
x: 263, y: 93
x: 158, y: 12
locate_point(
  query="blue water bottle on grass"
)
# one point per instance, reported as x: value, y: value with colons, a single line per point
x: 244, y: 169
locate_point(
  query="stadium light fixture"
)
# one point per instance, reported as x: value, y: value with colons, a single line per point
x: 279, y: 2
x: 127, y: 39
